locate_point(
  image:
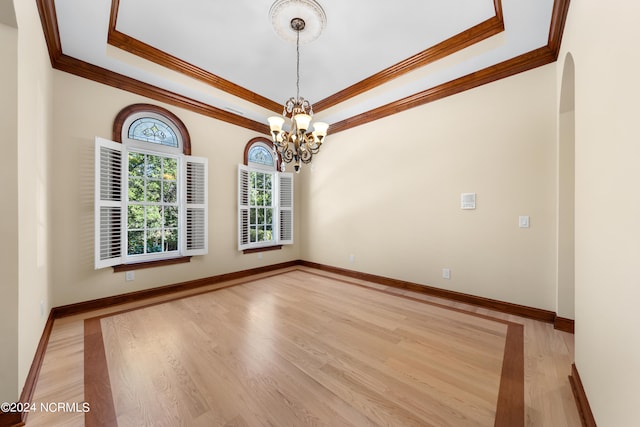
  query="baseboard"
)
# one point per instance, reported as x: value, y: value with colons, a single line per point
x: 91, y: 305
x: 586, y: 416
x: 505, y: 307
x: 15, y: 419
x: 564, y: 324
x: 11, y: 419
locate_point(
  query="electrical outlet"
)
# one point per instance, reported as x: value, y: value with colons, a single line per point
x: 259, y: 255
x: 129, y: 275
x: 352, y: 258
x: 446, y: 273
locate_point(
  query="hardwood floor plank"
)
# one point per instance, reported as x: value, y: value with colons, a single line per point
x: 97, y: 386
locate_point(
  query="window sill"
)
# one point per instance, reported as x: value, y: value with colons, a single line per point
x: 262, y: 249
x: 150, y: 264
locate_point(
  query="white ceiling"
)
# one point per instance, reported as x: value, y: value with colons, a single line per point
x: 234, y: 40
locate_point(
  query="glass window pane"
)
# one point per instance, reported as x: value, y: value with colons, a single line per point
x: 154, y: 217
x: 153, y: 191
x: 171, y: 240
x: 154, y: 166
x: 259, y: 154
x: 252, y: 235
x: 135, y: 217
x: 171, y: 216
x: 269, y: 216
x: 170, y: 169
x: 268, y: 181
x: 252, y: 216
x: 135, y: 243
x: 154, y: 241
x: 170, y: 192
x: 136, y: 164
x: 149, y: 129
x: 261, y: 216
x: 136, y: 189
x: 267, y: 198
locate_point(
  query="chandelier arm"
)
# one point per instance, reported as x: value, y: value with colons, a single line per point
x: 305, y: 156
x: 287, y: 155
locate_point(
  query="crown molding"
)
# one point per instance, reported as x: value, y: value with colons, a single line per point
x: 521, y: 63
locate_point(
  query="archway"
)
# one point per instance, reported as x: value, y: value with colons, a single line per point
x: 566, y: 194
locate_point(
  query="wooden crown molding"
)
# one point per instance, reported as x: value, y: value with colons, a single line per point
x: 150, y: 53
x: 62, y: 62
x: 524, y: 62
x: 475, y: 34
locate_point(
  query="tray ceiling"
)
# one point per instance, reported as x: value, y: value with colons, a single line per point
x: 225, y: 57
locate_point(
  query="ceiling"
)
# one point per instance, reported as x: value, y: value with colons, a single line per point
x: 374, y: 58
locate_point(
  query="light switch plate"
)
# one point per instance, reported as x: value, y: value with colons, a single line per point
x: 468, y: 201
x: 523, y: 221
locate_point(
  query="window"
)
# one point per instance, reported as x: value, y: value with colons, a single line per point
x: 150, y: 194
x: 265, y: 199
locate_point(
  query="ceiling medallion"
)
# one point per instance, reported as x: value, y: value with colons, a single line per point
x: 282, y: 12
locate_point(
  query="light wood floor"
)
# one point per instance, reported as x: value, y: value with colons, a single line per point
x: 300, y: 348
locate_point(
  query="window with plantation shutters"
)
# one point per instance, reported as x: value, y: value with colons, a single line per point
x: 265, y: 199
x: 150, y: 195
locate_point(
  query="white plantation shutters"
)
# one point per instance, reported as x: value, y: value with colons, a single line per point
x: 114, y: 210
x: 109, y: 202
x: 243, y: 207
x: 285, y: 195
x: 195, y: 193
x: 282, y: 208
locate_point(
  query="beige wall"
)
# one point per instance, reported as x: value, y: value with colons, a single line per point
x: 25, y: 107
x: 34, y: 141
x: 602, y: 38
x: 89, y: 112
x: 9, y: 215
x: 389, y: 193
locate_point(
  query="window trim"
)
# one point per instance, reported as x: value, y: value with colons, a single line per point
x: 135, y: 109
x: 265, y: 141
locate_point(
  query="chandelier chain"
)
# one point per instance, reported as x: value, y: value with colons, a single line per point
x: 298, y: 64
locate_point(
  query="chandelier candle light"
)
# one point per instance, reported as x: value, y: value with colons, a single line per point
x: 297, y: 144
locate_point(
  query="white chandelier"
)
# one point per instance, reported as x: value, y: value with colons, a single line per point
x: 298, y: 144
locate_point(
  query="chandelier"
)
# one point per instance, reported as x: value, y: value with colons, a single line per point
x: 298, y: 144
